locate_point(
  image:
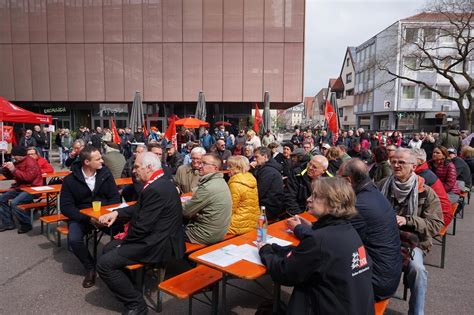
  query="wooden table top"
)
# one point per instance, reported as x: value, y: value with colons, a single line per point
x: 123, y: 181
x: 244, y: 269
x: 35, y: 191
x: 46, y: 175
x: 103, y: 210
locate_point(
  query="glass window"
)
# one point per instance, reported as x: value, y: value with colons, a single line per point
x: 445, y: 36
x: 347, y: 62
x: 443, y: 89
x: 408, y: 92
x: 425, y: 64
x: 409, y: 63
x: 411, y: 35
x: 350, y: 92
x: 349, y: 77
x: 425, y: 93
x: 430, y: 34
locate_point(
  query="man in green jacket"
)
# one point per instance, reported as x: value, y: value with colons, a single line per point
x: 209, y: 210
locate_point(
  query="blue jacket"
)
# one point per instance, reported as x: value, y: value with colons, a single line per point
x: 207, y: 141
x: 377, y: 226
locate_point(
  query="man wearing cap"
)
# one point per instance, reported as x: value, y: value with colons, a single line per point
x: 173, y: 158
x: 462, y: 169
x: 113, y: 159
x: 324, y: 148
x: 299, y: 186
x: 26, y: 172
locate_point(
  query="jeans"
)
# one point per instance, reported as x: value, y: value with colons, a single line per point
x: 75, y: 238
x: 417, y: 277
x: 65, y: 155
x: 61, y: 157
x: 110, y: 268
x: 7, y: 211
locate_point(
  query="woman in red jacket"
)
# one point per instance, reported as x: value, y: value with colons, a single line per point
x: 442, y: 166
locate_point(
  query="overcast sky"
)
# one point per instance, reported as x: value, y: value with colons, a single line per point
x: 332, y: 25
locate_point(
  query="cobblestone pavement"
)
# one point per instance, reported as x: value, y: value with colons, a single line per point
x: 38, y: 277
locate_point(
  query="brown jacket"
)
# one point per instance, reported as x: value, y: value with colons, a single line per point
x: 428, y: 221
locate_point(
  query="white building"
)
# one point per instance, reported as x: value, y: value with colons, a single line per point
x: 384, y: 103
x: 345, y: 103
x: 292, y: 116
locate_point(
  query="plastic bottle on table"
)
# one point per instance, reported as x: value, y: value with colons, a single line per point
x: 262, y: 227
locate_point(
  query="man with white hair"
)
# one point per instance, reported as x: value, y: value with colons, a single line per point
x: 154, y: 233
x: 187, y: 176
x: 299, y: 185
x: 418, y: 212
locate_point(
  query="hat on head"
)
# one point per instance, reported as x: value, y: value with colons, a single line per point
x: 154, y: 128
x: 169, y: 146
x: 326, y: 146
x: 452, y: 150
x: 299, y: 152
x: 18, y: 151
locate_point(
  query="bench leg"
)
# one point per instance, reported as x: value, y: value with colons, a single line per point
x: 215, y: 299
x: 276, y: 297
x: 454, y: 225
x: 32, y: 213
x: 443, y: 250
x: 161, y: 272
x: 224, y: 294
x: 59, y: 238
x: 190, y: 306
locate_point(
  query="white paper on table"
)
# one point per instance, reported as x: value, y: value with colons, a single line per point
x: 247, y: 252
x: 276, y: 240
x: 221, y: 257
x: 185, y: 199
x: 122, y: 205
x: 42, y: 188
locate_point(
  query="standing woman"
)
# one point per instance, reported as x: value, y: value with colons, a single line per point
x: 442, y: 166
x: 244, y: 192
x: 329, y: 269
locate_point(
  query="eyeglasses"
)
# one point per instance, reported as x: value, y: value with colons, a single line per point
x: 400, y: 162
x: 206, y: 163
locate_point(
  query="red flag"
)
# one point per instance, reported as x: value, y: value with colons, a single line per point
x: 257, y: 120
x: 145, y: 131
x: 331, y: 119
x: 8, y: 135
x: 170, y: 134
x: 115, y: 135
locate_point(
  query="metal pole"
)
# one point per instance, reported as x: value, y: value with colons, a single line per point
x: 3, y: 151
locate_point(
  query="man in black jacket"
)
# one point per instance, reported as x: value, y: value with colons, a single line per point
x: 462, y: 169
x: 42, y: 141
x: 269, y: 182
x: 88, y: 182
x: 376, y: 225
x: 73, y: 157
x: 155, y: 233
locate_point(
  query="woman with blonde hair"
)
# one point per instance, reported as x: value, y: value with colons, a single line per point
x: 329, y: 269
x: 244, y: 192
x: 253, y: 139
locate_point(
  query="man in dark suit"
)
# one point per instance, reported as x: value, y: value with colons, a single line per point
x: 155, y: 233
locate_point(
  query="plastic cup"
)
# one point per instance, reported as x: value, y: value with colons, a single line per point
x: 96, y: 206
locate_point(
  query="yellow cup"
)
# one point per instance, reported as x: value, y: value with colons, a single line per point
x: 96, y: 206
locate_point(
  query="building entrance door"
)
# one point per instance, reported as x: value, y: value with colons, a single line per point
x: 159, y: 122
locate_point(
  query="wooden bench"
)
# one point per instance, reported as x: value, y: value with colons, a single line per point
x: 32, y: 207
x: 194, y: 281
x: 440, y: 239
x: 381, y: 306
x: 50, y: 219
x: 61, y: 230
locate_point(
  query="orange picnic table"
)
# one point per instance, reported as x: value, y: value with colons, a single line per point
x: 46, y: 175
x: 244, y: 269
x: 123, y: 181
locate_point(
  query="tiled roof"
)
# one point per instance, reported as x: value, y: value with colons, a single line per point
x: 429, y: 17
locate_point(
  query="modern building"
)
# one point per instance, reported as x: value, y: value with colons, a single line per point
x: 82, y: 61
x: 383, y: 102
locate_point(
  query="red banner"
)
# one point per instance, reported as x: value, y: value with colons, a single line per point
x: 8, y: 134
x: 331, y: 118
x: 257, y: 120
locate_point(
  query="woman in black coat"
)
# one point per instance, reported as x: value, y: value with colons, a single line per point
x: 329, y: 269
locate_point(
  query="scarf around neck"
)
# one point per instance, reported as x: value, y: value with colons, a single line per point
x: 403, y: 191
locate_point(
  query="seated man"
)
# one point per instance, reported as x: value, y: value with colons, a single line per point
x: 26, y: 172
x: 187, y: 176
x: 209, y: 210
x: 76, y: 148
x: 113, y: 159
x: 269, y: 182
x: 154, y: 234
x: 130, y: 192
x: 462, y: 169
x: 298, y: 187
x: 377, y: 226
x: 88, y: 182
x: 418, y: 211
x: 173, y: 158
x: 44, y: 165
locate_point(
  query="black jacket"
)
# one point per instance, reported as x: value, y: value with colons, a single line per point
x: 155, y: 232
x: 470, y: 163
x: 334, y: 166
x: 428, y: 147
x: 76, y: 195
x: 270, y: 188
x: 463, y: 171
x: 377, y: 226
x: 329, y: 269
x: 297, y: 190
x: 41, y: 138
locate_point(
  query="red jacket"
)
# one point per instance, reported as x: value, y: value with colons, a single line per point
x: 446, y: 173
x: 44, y: 165
x: 27, y: 173
x: 433, y: 181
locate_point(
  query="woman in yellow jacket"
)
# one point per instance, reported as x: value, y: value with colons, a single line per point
x: 243, y: 188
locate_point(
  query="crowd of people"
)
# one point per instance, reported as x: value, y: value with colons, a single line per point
x: 369, y: 192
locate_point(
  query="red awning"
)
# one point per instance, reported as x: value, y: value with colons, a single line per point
x: 12, y: 113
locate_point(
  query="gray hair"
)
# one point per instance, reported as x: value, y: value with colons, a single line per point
x: 250, y: 147
x: 145, y: 149
x: 411, y: 155
x: 198, y: 150
x: 150, y: 159
x: 321, y: 159
x: 420, y: 154
x: 81, y: 142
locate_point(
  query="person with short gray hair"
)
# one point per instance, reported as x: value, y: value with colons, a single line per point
x: 187, y: 176
x: 76, y: 148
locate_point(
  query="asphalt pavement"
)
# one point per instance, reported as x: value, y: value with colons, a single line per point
x: 38, y: 277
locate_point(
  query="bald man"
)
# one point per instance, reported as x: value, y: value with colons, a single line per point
x: 299, y: 185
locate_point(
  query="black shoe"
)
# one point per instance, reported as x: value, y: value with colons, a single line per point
x: 89, y: 279
x: 6, y: 227
x: 24, y: 229
x: 140, y: 310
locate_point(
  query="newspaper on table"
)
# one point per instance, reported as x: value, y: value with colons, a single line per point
x: 42, y: 188
x: 122, y: 205
x: 276, y: 240
x: 221, y: 257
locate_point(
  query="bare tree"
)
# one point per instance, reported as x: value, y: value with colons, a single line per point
x: 444, y: 46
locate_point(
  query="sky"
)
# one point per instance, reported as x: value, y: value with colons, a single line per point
x: 332, y: 25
